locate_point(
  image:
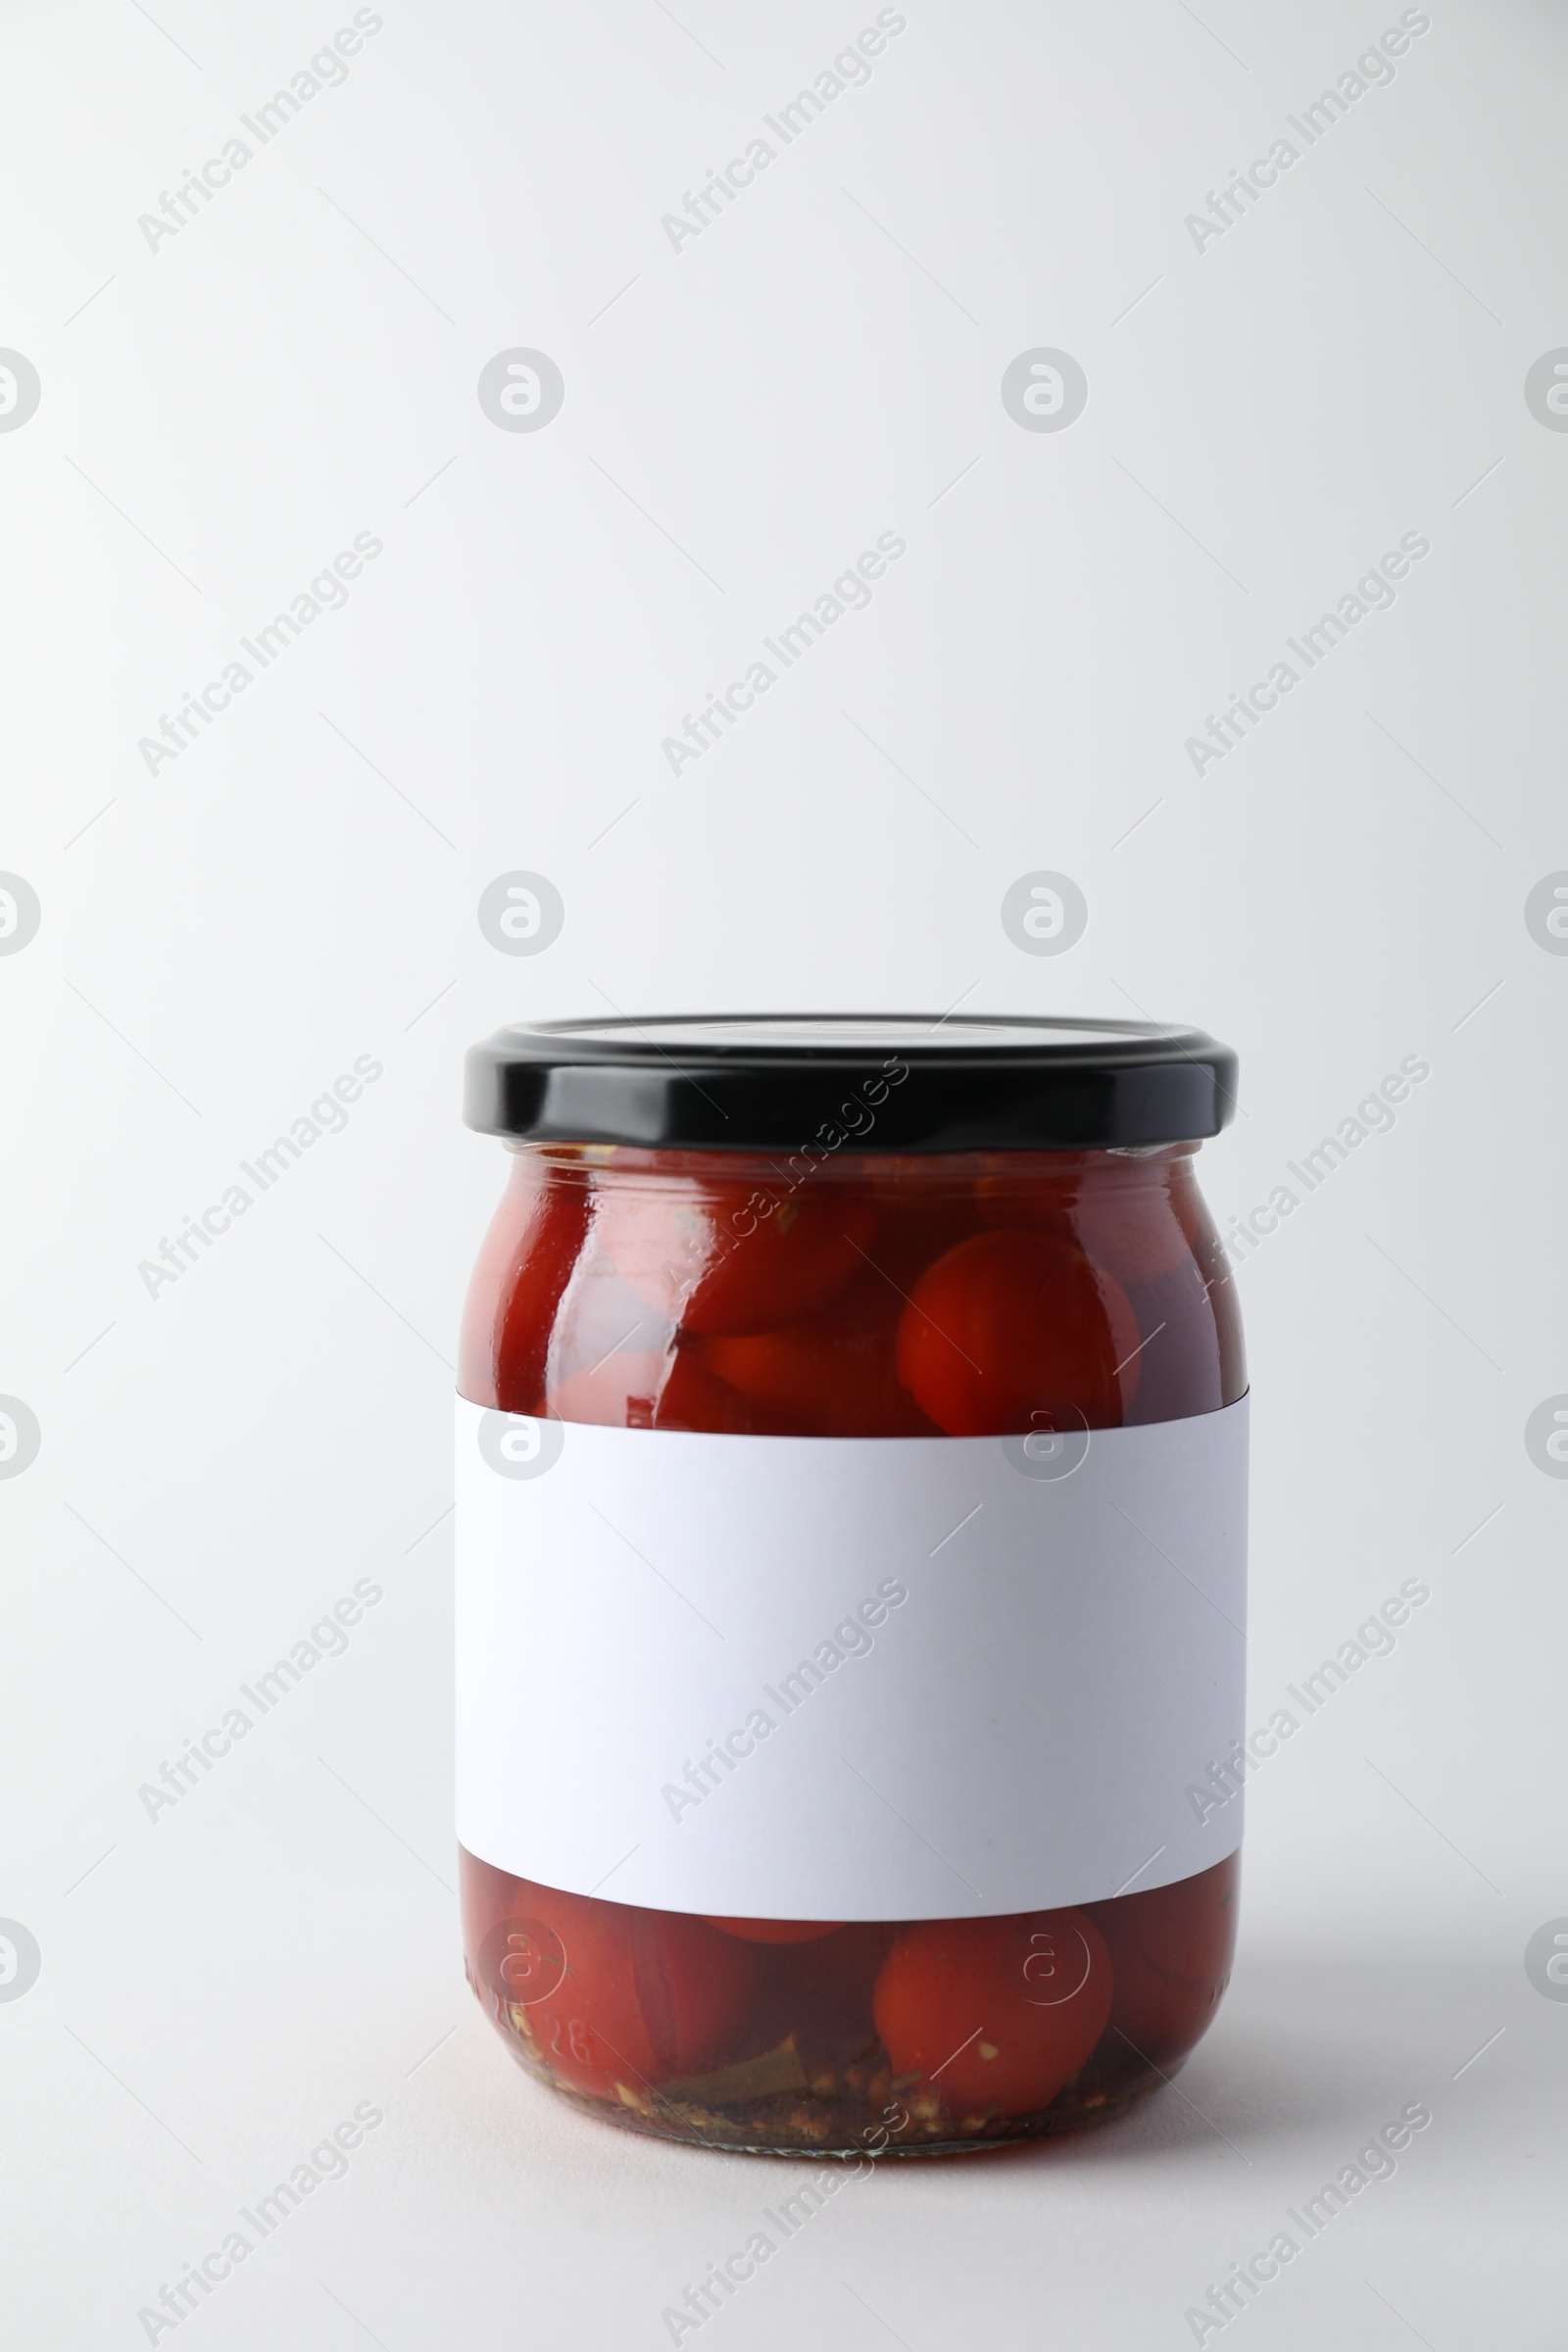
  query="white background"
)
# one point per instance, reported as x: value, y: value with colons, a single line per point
x: 218, y: 941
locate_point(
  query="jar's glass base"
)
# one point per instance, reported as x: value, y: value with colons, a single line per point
x: 813, y: 2129
x: 851, y: 2040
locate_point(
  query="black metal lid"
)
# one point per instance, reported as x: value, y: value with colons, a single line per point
x: 882, y: 1081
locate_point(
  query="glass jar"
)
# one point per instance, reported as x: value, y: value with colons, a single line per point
x: 851, y: 1502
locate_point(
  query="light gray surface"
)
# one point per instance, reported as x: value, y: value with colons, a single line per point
x: 222, y: 1457
x: 483, y: 2205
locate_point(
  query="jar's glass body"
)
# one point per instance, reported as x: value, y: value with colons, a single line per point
x: 872, y: 1296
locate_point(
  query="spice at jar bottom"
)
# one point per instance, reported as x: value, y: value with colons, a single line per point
x: 852, y: 1496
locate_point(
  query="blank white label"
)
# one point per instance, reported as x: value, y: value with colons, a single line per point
x: 849, y: 1678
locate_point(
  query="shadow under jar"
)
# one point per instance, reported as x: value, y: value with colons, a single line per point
x: 851, y: 1510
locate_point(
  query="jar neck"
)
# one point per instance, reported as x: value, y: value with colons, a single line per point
x: 834, y: 1159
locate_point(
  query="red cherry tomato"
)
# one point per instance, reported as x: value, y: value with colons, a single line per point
x: 524, y: 1264
x: 643, y: 1998
x: 1020, y: 1201
x: 694, y: 1397
x: 712, y: 1260
x: 643, y: 1390
x: 994, y: 2013
x: 833, y: 1376
x: 1125, y: 1216
x: 776, y: 1930
x: 1132, y: 1231
x: 1171, y: 1950
x: 1011, y: 1326
x: 918, y: 1222
x: 826, y: 1991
